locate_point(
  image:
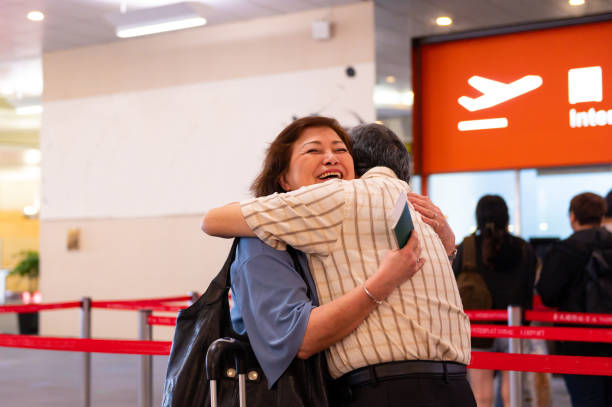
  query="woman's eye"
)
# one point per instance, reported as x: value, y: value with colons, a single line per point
x: 341, y: 150
x: 313, y: 151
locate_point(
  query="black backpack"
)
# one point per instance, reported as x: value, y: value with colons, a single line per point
x: 598, y: 281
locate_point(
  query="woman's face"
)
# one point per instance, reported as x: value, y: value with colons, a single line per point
x: 318, y: 155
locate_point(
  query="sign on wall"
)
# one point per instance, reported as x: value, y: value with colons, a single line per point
x: 529, y: 99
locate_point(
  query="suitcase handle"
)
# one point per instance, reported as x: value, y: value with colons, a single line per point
x: 214, y: 366
x: 221, y: 347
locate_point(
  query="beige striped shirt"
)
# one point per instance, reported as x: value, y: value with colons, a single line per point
x: 344, y: 228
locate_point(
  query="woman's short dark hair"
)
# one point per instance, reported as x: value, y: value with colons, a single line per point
x: 278, y: 154
x: 609, y: 204
x: 588, y: 208
x: 376, y: 145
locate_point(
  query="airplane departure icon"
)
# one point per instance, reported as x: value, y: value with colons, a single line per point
x: 494, y: 92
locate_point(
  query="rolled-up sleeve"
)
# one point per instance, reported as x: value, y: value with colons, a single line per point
x: 273, y: 303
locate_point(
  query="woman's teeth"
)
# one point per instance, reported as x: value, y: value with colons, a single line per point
x: 330, y: 174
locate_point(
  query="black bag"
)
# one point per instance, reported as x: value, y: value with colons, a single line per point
x: 598, y: 284
x: 304, y: 383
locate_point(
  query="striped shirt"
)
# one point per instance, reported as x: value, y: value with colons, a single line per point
x: 344, y: 227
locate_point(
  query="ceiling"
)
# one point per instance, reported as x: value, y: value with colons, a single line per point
x: 75, y: 23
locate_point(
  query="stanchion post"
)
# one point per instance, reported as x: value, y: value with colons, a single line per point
x: 145, y: 333
x: 86, y: 333
x: 516, y: 391
x: 194, y: 296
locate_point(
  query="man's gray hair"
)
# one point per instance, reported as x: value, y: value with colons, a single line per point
x: 375, y: 145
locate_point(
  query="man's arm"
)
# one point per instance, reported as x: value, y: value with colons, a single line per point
x: 226, y: 221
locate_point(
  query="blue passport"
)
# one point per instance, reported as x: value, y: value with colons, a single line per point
x: 402, y: 221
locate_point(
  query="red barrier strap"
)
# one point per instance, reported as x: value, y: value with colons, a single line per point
x: 25, y: 308
x: 552, y: 333
x: 584, y: 365
x: 587, y: 365
x: 136, y: 306
x: 86, y: 345
x: 156, y: 320
x: 154, y: 300
x: 487, y: 315
x: 569, y: 317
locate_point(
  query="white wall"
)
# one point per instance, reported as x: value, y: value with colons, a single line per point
x: 181, y: 149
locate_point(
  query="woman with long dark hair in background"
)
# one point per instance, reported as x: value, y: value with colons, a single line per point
x: 507, y: 264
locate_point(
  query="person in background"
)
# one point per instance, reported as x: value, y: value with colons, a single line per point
x: 607, y: 221
x: 562, y: 285
x: 507, y: 264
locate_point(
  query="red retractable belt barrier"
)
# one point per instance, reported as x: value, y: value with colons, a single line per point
x: 587, y: 365
x: 157, y: 320
x: 39, y: 307
x: 132, y: 306
x: 551, y: 333
x: 156, y: 304
x: 487, y: 315
x: 569, y: 317
x: 86, y: 345
x: 583, y: 365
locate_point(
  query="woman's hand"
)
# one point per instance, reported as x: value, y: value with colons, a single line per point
x: 433, y: 216
x: 395, y: 268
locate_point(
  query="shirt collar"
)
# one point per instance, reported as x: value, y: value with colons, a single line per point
x: 379, y: 172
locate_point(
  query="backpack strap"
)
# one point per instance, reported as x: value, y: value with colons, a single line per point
x: 468, y: 260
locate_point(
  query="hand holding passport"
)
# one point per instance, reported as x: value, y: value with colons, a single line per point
x: 402, y: 221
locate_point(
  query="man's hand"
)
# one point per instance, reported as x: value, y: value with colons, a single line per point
x: 433, y: 216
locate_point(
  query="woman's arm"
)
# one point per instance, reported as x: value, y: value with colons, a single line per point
x: 226, y: 221
x: 333, y: 321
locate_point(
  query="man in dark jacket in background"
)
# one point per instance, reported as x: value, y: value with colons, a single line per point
x: 563, y: 284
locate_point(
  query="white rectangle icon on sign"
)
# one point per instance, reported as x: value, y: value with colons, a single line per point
x: 497, y: 123
x: 584, y: 84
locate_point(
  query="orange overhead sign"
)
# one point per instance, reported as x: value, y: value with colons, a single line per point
x: 538, y: 98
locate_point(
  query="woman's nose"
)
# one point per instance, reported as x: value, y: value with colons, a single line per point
x: 330, y: 158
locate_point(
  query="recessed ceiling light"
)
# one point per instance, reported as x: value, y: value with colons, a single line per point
x: 390, y: 79
x: 36, y: 16
x: 443, y: 21
x: 576, y: 2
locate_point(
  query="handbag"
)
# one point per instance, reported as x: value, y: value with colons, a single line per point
x: 304, y: 383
